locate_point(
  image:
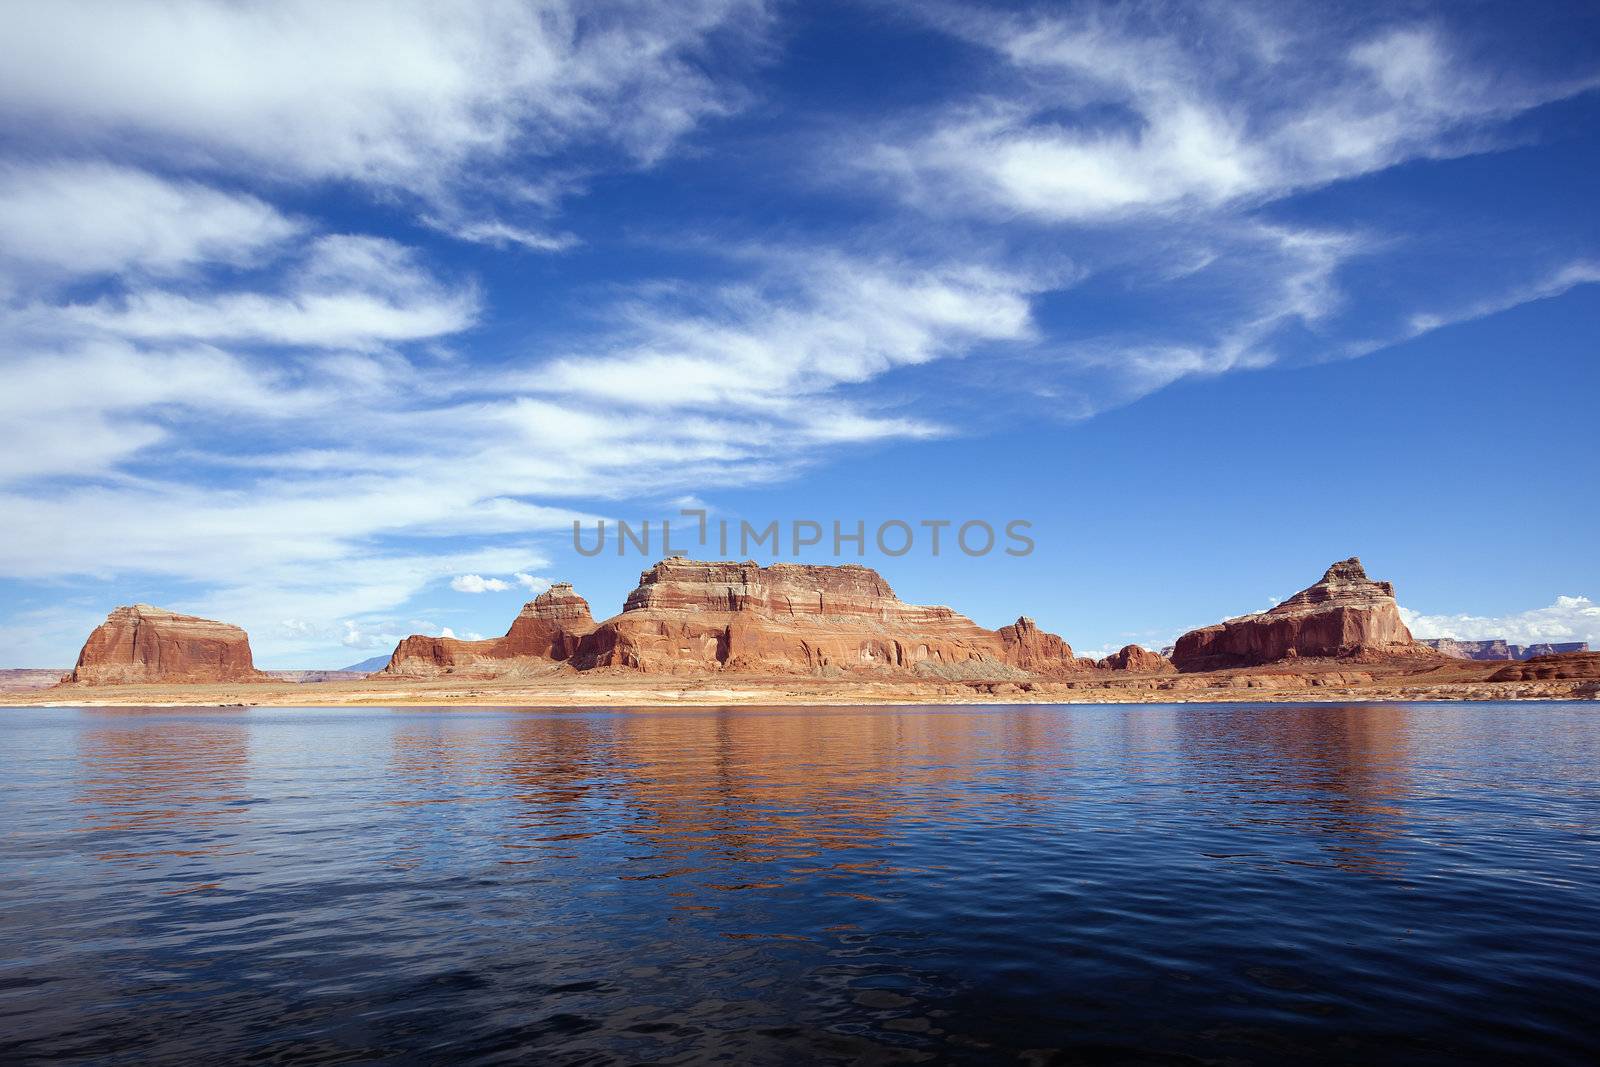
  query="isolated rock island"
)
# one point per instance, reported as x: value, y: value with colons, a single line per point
x: 731, y: 632
x: 140, y: 644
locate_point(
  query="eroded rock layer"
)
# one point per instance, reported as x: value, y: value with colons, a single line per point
x: 1137, y: 658
x: 1035, y: 650
x: 1345, y: 614
x: 1568, y: 665
x: 692, y: 617
x: 688, y: 616
x: 548, y: 630
x: 140, y: 644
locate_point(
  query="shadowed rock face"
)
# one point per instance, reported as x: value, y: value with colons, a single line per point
x: 143, y: 644
x: 1137, y: 658
x: 1345, y: 614
x: 691, y: 617
x: 548, y: 629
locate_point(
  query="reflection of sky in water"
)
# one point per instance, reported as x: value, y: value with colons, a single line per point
x: 828, y: 883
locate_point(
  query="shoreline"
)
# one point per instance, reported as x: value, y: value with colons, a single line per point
x: 656, y: 692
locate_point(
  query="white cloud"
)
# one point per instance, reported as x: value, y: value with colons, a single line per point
x: 1569, y: 618
x: 350, y: 291
x: 820, y: 321
x: 85, y: 409
x: 75, y: 218
x: 1114, y: 116
x: 499, y: 234
x: 412, y: 96
x: 476, y: 583
x: 532, y: 583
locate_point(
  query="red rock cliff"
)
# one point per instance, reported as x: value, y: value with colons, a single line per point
x: 691, y: 617
x: 688, y: 616
x: 1345, y: 614
x: 547, y: 630
x: 140, y: 643
x: 1137, y: 658
x: 1032, y: 649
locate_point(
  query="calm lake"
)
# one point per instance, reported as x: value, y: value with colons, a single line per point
x: 1172, y: 884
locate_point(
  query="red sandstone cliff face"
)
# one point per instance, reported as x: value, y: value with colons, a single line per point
x: 1137, y: 658
x: 688, y: 616
x: 548, y: 630
x: 1032, y: 649
x: 1346, y: 614
x: 142, y: 644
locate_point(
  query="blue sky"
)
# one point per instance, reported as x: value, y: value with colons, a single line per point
x: 328, y: 319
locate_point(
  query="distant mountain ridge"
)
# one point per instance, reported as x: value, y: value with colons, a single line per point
x: 367, y: 666
x: 1499, y: 648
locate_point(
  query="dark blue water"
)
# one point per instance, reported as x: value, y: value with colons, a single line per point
x: 1204, y: 883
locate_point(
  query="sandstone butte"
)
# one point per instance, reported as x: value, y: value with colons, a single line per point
x: 1136, y: 658
x: 143, y: 644
x: 691, y: 617
x: 1346, y: 615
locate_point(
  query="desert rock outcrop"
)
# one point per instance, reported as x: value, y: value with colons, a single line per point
x: 692, y: 617
x: 1568, y: 665
x: 1345, y: 614
x: 1137, y: 658
x: 688, y: 616
x: 548, y: 630
x: 1036, y: 650
x: 143, y: 644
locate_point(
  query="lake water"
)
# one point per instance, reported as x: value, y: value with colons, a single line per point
x: 1200, y: 883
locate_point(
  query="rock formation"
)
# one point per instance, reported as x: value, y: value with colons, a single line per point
x: 1032, y: 649
x: 548, y: 630
x: 1569, y: 665
x: 1137, y: 658
x: 142, y: 644
x: 1498, y: 648
x: 1346, y: 614
x: 690, y: 617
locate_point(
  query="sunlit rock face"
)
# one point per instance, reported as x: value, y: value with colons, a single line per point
x: 693, y: 617
x: 547, y: 630
x: 143, y: 644
x: 1038, y: 651
x: 1346, y: 614
x: 688, y: 616
x: 1137, y: 658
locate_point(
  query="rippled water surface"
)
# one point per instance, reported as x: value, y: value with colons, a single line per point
x: 1222, y: 884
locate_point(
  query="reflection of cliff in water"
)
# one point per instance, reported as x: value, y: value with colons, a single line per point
x: 738, y: 784
x: 187, y: 780
x: 788, y: 784
x: 1334, y: 771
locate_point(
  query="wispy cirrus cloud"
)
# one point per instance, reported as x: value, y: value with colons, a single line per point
x: 67, y: 219
x: 349, y: 291
x: 1113, y: 111
x: 1161, y: 147
x: 444, y: 102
